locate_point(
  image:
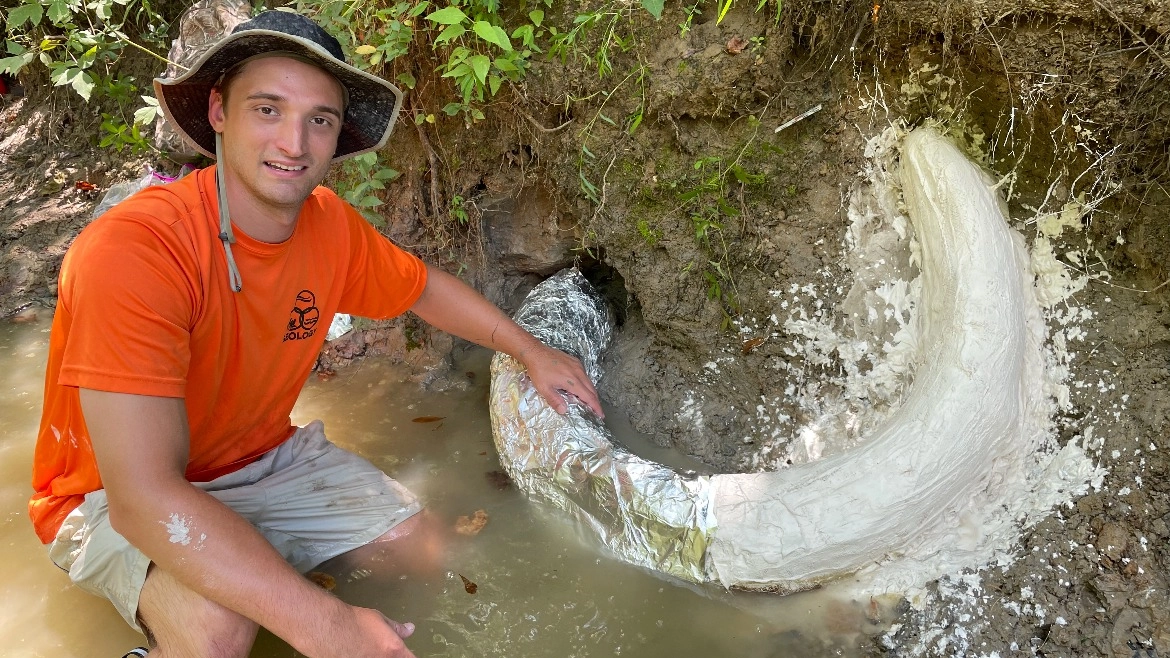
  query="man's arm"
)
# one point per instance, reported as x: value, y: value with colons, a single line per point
x: 451, y: 305
x: 141, y: 444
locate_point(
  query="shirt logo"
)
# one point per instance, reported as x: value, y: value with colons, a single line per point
x: 302, y: 321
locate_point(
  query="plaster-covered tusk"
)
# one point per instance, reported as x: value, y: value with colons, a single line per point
x: 974, y: 415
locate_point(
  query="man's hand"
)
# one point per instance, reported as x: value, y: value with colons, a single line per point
x: 368, y: 633
x: 449, y: 304
x: 556, y: 374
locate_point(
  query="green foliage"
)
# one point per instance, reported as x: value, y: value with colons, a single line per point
x: 78, y: 44
x: 725, y: 6
x: 711, y: 194
x: 458, y: 210
x: 613, y: 30
x: 473, y: 44
x: 117, y: 134
x: 360, y: 180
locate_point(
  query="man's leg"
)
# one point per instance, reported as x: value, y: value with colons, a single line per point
x: 323, y: 502
x: 414, y: 547
x: 182, y: 624
x: 177, y: 622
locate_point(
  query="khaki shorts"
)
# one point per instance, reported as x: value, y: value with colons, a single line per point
x: 310, y: 499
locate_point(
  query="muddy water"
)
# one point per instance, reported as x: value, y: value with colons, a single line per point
x: 541, y: 588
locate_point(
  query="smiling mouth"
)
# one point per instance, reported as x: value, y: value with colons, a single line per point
x: 281, y: 167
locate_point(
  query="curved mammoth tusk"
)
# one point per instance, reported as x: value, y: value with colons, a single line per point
x: 974, y: 414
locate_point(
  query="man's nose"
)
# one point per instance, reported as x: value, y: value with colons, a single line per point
x: 292, y: 138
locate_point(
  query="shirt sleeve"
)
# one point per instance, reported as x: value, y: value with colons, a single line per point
x: 131, y: 305
x: 383, y: 280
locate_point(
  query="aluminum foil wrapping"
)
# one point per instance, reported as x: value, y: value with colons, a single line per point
x: 644, y: 512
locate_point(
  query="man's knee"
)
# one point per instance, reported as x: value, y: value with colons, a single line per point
x: 417, y: 546
x: 180, y: 622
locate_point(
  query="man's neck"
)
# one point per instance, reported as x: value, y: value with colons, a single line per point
x: 263, y: 222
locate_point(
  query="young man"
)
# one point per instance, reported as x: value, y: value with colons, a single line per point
x: 167, y: 475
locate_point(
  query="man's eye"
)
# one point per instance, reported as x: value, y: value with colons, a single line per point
x: 321, y: 121
x: 264, y: 109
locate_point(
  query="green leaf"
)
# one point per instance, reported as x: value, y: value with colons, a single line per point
x: 451, y: 109
x: 407, y: 80
x: 374, y: 218
x: 15, y: 63
x: 457, y: 55
x: 524, y: 33
x: 727, y: 208
x: 588, y: 188
x: 505, y: 65
x: 447, y: 16
x: 86, y: 60
x: 59, y: 12
x: 492, y: 34
x: 386, y: 174
x: 537, y: 17
x: 83, y: 85
x: 145, y: 115
x: 480, y: 64
x: 746, y: 178
x: 606, y: 119
x: 31, y: 12
x: 726, y: 6
x: 63, y: 75
x: 654, y: 7
x: 634, y: 125
x: 450, y: 32
x: 494, y: 83
x: 103, y: 8
x: 369, y: 201
x: 458, y: 71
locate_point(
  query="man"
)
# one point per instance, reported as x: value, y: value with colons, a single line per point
x: 167, y: 475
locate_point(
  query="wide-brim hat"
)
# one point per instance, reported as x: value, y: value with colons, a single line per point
x: 373, y: 102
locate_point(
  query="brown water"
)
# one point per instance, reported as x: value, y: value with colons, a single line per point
x: 542, y: 589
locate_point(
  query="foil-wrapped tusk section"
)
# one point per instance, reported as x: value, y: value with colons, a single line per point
x: 644, y: 512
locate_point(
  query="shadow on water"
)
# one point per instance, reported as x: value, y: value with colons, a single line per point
x: 541, y: 588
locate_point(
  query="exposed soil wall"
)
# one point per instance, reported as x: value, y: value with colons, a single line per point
x: 666, y: 181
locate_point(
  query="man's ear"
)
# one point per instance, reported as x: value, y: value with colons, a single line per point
x: 216, y: 113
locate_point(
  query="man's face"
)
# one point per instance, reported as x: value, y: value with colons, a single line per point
x: 280, y: 126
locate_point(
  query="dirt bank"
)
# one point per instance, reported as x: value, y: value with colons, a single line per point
x: 666, y: 181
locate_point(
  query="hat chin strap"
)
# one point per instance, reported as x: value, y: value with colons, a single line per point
x: 225, y: 223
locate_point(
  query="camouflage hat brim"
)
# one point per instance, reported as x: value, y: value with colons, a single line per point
x: 373, y: 107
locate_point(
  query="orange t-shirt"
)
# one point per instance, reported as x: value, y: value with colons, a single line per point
x: 145, y: 307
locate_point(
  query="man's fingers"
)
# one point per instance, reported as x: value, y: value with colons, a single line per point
x: 400, y: 629
x: 560, y: 399
x: 593, y: 402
